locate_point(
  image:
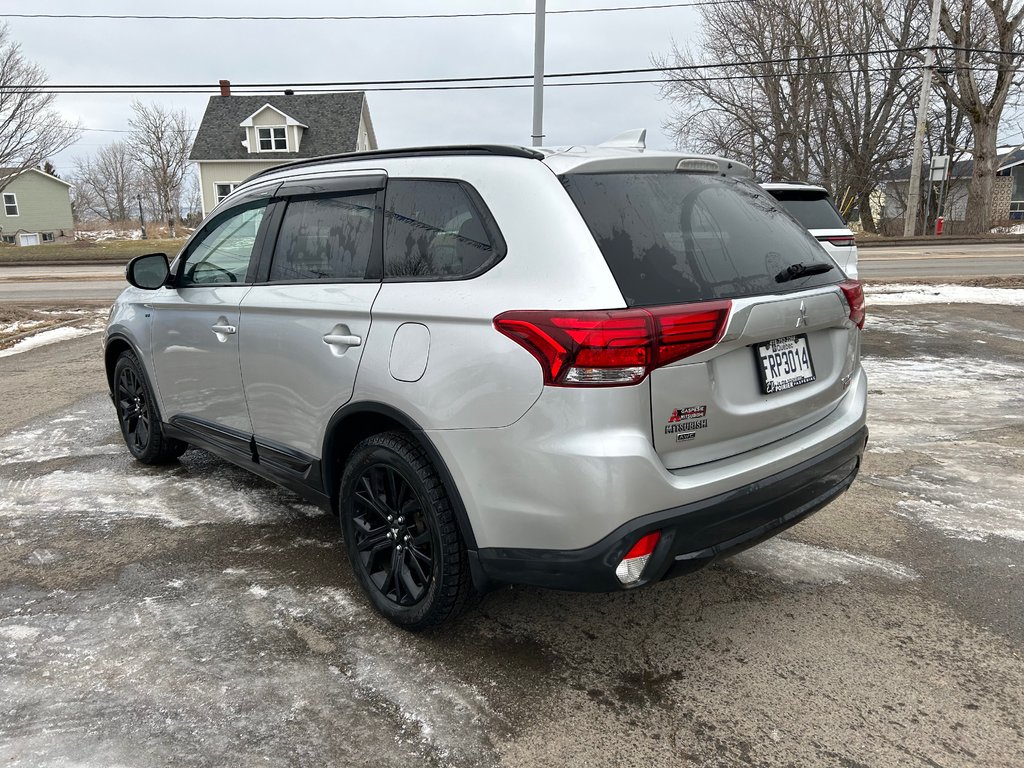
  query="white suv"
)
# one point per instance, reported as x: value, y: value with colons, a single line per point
x: 588, y: 369
x: 812, y: 206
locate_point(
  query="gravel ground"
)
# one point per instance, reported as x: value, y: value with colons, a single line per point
x: 197, y: 616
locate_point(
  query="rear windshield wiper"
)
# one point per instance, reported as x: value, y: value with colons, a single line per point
x: 794, y: 271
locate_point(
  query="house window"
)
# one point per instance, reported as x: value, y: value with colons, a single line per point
x: 47, y: 237
x: 274, y: 139
x: 220, y: 191
x: 9, y: 239
x: 10, y: 204
x: 1017, y: 210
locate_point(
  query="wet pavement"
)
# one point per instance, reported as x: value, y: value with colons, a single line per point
x: 195, y: 615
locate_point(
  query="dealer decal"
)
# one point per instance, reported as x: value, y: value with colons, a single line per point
x: 687, y: 413
x: 687, y: 420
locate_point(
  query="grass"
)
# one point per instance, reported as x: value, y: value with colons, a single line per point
x: 107, y: 251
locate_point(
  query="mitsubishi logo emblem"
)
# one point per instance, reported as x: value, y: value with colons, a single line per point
x: 802, y: 320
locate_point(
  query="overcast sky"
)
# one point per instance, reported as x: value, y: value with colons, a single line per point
x: 136, y: 51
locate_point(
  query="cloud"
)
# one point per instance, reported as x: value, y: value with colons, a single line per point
x: 136, y: 51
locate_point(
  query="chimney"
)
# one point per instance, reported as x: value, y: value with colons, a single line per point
x: 225, y: 87
x: 289, y: 92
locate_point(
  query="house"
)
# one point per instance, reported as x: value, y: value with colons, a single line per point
x: 242, y: 135
x: 1007, y: 190
x: 35, y: 207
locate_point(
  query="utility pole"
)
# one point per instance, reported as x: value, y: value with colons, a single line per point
x: 538, y: 76
x: 914, y: 192
x: 142, y: 220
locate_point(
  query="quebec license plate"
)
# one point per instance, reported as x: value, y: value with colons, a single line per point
x: 784, y: 363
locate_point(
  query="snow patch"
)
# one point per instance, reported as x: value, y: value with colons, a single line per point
x: 905, y: 294
x: 948, y: 416
x: 794, y: 563
x: 44, y: 338
x: 19, y: 326
x: 196, y: 664
x: 200, y: 490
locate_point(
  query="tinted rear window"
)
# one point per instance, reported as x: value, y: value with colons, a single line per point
x: 812, y: 209
x: 678, y: 237
x: 434, y: 231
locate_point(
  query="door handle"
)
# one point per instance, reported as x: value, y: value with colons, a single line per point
x: 342, y: 340
x: 226, y: 329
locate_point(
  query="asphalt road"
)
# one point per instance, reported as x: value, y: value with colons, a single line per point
x: 194, y: 615
x: 929, y: 261
x: 103, y: 282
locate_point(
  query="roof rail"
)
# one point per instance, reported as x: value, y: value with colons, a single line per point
x: 465, y: 149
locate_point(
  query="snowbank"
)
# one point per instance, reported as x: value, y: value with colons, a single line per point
x: 897, y: 294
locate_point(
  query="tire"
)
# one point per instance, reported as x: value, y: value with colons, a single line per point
x: 401, y: 533
x: 137, y: 415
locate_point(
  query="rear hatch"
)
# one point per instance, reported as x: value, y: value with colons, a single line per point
x: 788, y: 350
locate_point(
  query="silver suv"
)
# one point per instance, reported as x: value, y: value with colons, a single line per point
x: 813, y: 207
x: 589, y: 369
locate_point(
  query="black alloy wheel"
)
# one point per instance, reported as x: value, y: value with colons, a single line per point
x: 391, y: 535
x: 133, y: 404
x: 401, y: 532
x: 138, y: 416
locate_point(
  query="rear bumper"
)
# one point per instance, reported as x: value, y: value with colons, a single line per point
x: 692, y: 535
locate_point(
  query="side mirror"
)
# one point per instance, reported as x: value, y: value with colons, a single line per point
x: 148, y: 272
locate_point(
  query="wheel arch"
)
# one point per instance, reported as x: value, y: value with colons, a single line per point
x: 117, y: 344
x: 357, y: 421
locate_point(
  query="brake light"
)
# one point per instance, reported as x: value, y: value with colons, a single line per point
x: 854, y: 293
x: 613, y: 347
x: 843, y: 241
x: 631, y: 567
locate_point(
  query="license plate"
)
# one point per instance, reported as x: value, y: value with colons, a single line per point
x: 784, y: 363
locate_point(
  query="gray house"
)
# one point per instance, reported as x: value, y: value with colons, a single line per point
x: 35, y: 207
x: 1007, y: 191
x: 241, y: 135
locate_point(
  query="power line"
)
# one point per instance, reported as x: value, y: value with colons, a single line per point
x: 386, y: 17
x: 506, y: 86
x: 365, y: 84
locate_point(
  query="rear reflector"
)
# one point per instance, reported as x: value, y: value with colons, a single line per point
x: 613, y: 347
x: 854, y: 293
x: 632, y: 565
x: 840, y: 242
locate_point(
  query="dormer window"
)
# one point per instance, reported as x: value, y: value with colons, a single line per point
x: 272, y: 139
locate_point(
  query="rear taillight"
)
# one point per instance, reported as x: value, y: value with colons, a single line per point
x: 844, y: 241
x: 631, y: 567
x: 613, y: 347
x: 854, y: 293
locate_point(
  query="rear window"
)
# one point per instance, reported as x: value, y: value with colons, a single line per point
x: 672, y: 238
x: 812, y: 209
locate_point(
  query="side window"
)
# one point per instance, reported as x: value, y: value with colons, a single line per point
x: 433, y: 229
x: 222, y: 252
x: 325, y: 238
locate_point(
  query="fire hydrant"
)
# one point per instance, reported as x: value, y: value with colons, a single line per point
x: 938, y: 225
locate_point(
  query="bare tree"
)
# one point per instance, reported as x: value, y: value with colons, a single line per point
x: 108, y: 183
x: 192, y: 201
x: 743, y: 92
x: 30, y: 129
x: 781, y: 85
x: 985, y: 36
x: 159, y: 142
